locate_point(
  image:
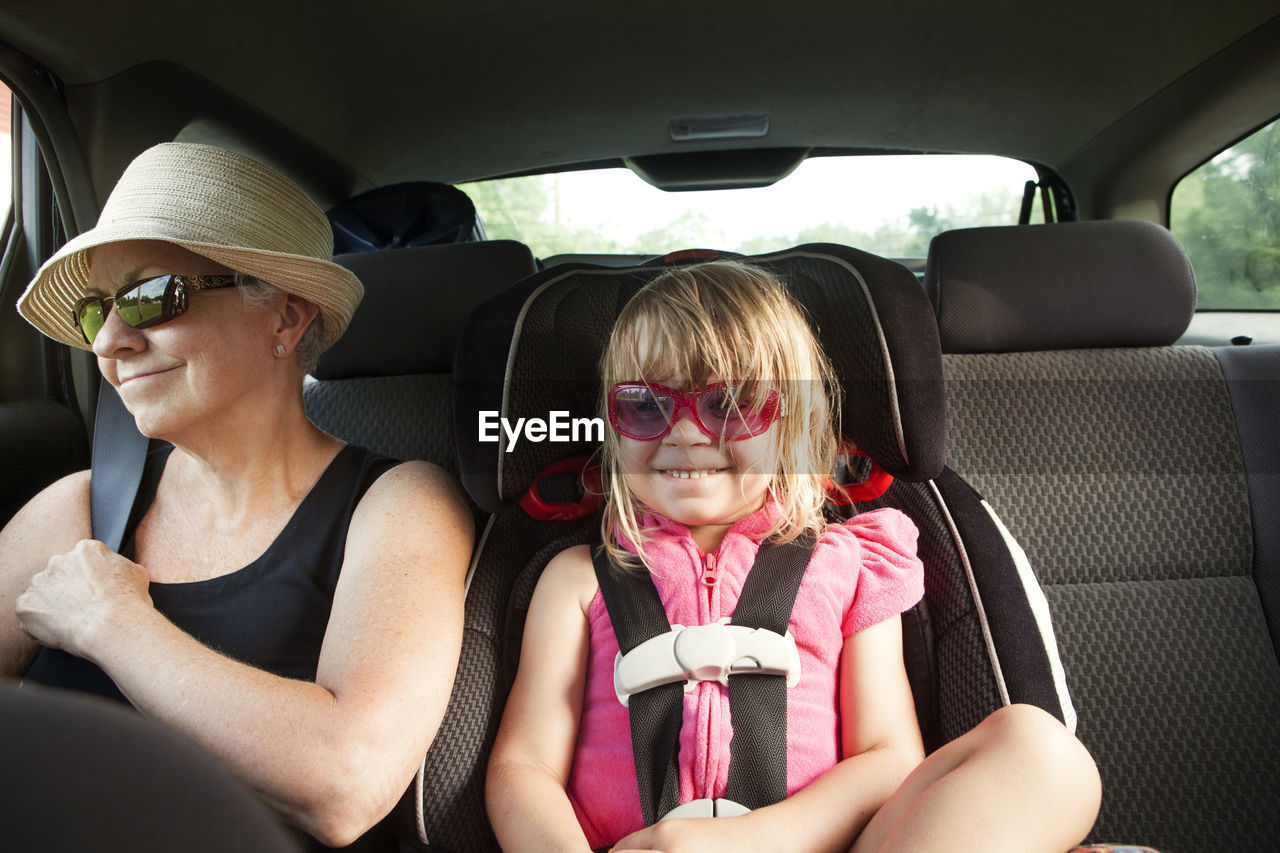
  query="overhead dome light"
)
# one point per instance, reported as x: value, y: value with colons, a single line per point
x: 737, y: 126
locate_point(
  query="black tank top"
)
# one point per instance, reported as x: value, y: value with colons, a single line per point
x: 272, y: 613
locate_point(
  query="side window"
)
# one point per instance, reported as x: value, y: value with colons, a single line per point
x: 1227, y: 214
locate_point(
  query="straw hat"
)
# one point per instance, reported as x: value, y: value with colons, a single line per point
x: 216, y: 203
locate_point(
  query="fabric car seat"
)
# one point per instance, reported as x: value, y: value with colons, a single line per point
x: 387, y: 385
x: 976, y: 643
x: 1143, y: 480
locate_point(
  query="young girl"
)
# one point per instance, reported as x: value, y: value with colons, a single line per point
x: 723, y: 416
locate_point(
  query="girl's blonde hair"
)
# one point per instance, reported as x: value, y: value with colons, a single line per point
x: 734, y: 322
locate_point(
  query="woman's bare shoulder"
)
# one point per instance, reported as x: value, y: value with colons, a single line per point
x: 417, y: 480
x: 415, y: 515
x: 419, y: 494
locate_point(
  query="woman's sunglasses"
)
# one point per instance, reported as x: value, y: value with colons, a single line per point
x: 646, y: 412
x: 145, y: 303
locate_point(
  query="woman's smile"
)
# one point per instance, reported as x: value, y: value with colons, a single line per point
x: 139, y: 375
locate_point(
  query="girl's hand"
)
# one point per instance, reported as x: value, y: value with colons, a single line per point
x: 78, y: 594
x: 694, y: 835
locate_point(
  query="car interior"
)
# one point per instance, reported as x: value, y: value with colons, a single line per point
x: 1069, y: 378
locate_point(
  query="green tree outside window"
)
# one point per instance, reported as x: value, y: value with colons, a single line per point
x: 1227, y: 214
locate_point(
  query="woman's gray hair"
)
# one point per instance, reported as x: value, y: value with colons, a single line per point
x: 257, y: 293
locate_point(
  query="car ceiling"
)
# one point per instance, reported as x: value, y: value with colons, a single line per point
x: 393, y: 91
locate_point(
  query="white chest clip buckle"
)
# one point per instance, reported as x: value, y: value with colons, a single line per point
x: 705, y: 653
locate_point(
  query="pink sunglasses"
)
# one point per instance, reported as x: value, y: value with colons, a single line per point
x: 647, y: 412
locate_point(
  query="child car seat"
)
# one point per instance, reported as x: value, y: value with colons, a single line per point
x: 978, y: 641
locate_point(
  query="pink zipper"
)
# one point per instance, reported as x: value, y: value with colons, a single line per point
x: 709, y: 713
x: 709, y: 576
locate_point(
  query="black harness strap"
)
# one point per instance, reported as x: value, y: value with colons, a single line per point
x: 119, y: 454
x: 637, y: 615
x: 757, y: 703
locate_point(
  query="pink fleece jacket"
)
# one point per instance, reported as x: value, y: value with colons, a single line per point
x: 862, y: 572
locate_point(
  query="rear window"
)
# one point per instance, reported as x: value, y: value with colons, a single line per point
x: 890, y: 205
x: 1227, y: 214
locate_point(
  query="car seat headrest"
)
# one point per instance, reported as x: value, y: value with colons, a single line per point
x: 872, y: 319
x: 1071, y: 285
x: 415, y: 304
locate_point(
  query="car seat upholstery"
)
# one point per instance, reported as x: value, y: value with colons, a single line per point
x: 1136, y: 475
x: 386, y: 383
x: 967, y: 656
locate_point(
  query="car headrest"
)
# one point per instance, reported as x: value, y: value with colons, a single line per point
x: 415, y: 303
x: 872, y: 319
x: 1070, y: 285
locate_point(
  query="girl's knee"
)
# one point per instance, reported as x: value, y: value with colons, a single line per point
x: 1025, y: 725
x: 1042, y: 744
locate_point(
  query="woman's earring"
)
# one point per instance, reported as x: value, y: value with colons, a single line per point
x: 279, y: 349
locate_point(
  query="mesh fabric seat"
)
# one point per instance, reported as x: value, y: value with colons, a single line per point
x: 387, y: 384
x: 1136, y: 475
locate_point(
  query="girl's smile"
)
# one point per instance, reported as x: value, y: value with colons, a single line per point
x: 701, y: 482
x: 688, y: 474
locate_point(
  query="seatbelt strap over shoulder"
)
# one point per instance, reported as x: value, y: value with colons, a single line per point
x: 119, y: 455
x: 637, y: 615
x: 757, y: 702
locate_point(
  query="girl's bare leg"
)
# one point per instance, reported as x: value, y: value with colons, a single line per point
x: 1019, y: 781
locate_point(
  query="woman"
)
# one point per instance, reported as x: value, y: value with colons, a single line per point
x: 292, y: 603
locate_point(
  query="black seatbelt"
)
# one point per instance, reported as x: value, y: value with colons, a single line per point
x: 637, y: 615
x: 119, y: 454
x: 757, y: 703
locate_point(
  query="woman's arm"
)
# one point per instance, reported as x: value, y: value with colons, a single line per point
x: 880, y: 742
x: 334, y: 755
x: 529, y: 768
x: 50, y: 523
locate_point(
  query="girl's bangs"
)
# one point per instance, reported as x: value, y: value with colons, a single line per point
x: 669, y: 347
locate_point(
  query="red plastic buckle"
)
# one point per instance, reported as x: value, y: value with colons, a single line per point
x: 535, y: 506
x: 692, y: 255
x: 876, y: 484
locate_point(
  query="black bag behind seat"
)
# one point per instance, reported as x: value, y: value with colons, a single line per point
x: 401, y: 216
